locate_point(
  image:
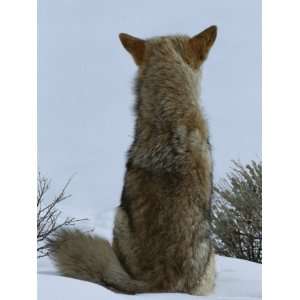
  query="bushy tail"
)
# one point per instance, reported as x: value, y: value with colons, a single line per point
x: 91, y: 258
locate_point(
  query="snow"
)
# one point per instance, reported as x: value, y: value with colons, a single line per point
x: 236, y: 279
x: 85, y: 107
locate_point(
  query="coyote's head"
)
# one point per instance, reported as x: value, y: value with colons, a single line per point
x: 192, y: 51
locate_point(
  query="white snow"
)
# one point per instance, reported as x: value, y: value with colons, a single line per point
x: 236, y: 279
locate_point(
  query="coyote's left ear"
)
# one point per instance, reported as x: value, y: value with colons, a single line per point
x: 202, y: 42
x: 135, y: 46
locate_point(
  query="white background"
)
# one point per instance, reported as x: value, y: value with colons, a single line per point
x: 281, y: 149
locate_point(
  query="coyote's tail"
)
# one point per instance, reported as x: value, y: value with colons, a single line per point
x: 91, y: 258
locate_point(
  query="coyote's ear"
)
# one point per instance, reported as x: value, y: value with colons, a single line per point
x: 135, y: 46
x: 202, y: 42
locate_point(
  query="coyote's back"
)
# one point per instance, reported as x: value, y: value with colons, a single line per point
x: 161, y: 233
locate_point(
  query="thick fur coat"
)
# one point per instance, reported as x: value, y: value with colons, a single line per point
x: 161, y: 240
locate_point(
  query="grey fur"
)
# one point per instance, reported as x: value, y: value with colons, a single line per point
x: 161, y: 232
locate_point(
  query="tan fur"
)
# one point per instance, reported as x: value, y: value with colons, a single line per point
x: 134, y: 45
x: 91, y: 258
x: 161, y: 234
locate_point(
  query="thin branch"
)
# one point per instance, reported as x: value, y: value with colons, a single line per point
x: 48, y: 214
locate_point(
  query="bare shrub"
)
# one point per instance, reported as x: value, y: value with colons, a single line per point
x: 237, y: 211
x: 48, y: 214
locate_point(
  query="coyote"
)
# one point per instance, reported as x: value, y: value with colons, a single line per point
x: 161, y: 236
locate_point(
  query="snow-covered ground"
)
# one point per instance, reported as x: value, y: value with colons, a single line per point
x: 236, y: 279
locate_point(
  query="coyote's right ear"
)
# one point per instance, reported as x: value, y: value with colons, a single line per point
x: 135, y: 46
x: 202, y: 42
